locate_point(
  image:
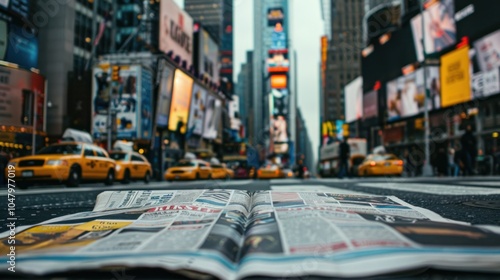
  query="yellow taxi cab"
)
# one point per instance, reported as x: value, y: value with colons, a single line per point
x: 221, y: 171
x: 131, y: 165
x: 270, y: 171
x: 381, y: 164
x: 192, y: 169
x: 68, y: 162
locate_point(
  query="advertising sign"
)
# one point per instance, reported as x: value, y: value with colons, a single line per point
x: 279, y: 81
x: 275, y: 16
x: 278, y: 37
x: 146, y: 127
x: 353, y: 96
x: 324, y: 56
x: 279, y: 134
x: 20, y: 91
x: 280, y: 102
x: 176, y: 31
x: 406, y: 95
x: 487, y: 50
x: 208, y: 62
x: 439, y: 28
x: 197, y: 110
x: 181, y: 97
x: 486, y: 83
x: 212, y: 117
x: 278, y: 62
x: 18, y: 45
x: 234, y: 113
x: 455, y: 77
x: 370, y: 106
x: 122, y: 96
x: 166, y: 80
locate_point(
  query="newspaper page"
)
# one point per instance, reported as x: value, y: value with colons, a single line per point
x: 293, y: 234
x: 234, y: 234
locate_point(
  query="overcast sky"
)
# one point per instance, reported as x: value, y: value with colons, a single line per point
x: 306, y: 31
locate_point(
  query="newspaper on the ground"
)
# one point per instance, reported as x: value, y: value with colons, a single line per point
x: 233, y: 234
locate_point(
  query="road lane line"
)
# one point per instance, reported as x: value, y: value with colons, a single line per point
x: 313, y: 188
x: 486, y: 183
x: 432, y: 188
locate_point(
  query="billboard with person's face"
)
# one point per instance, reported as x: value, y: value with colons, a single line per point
x: 406, y: 95
x: 438, y: 26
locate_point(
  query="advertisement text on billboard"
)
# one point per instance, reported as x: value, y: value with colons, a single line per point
x: 455, y: 77
x: 176, y: 31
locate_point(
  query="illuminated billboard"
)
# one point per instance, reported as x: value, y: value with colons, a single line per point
x: 278, y: 38
x: 176, y: 31
x: 353, y: 96
x: 439, y: 28
x: 279, y: 81
x: 164, y: 94
x: 21, y: 91
x: 370, y: 104
x: 197, y: 110
x: 455, y: 77
x: 278, y: 62
x: 181, y: 97
x: 280, y: 102
x: 124, y: 97
x: 406, y: 95
x: 324, y: 56
x: 275, y: 16
x: 212, y: 120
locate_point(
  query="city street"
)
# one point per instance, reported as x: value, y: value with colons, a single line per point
x: 471, y: 199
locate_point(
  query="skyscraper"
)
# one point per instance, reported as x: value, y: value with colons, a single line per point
x: 216, y: 16
x: 273, y: 79
x: 66, y: 41
x: 343, y: 55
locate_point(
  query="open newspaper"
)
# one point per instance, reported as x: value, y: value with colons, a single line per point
x: 234, y: 234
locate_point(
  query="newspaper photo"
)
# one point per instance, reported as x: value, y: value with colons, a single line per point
x: 232, y: 234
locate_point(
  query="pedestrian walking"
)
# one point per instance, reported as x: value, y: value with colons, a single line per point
x: 453, y: 165
x: 344, y: 154
x: 469, y: 151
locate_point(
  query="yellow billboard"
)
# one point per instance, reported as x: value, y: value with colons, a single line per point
x: 455, y: 77
x: 181, y: 97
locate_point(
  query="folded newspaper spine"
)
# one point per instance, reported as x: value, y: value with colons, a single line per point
x: 234, y: 234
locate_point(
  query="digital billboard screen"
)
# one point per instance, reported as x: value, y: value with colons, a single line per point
x: 278, y: 62
x: 279, y: 81
x: 197, y: 110
x: 212, y: 120
x: 166, y: 80
x: 353, y: 96
x: 181, y: 97
x: 370, y: 104
x: 406, y: 94
x: 275, y: 16
x: 123, y: 97
x: 439, y: 28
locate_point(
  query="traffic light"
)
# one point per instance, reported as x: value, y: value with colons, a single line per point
x: 115, y: 75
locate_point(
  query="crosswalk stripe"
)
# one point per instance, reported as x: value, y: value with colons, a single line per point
x: 432, y: 188
x: 485, y: 183
x: 312, y: 188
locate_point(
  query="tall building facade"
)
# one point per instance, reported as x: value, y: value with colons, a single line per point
x: 343, y: 55
x: 66, y: 40
x: 273, y: 80
x: 216, y: 16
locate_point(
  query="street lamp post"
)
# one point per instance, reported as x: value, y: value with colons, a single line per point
x: 427, y: 169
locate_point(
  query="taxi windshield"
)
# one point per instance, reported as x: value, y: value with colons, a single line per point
x: 186, y: 164
x: 72, y: 149
x: 119, y: 156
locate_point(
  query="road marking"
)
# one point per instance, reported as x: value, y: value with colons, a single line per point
x: 133, y: 186
x: 490, y: 183
x: 432, y: 188
x: 312, y: 188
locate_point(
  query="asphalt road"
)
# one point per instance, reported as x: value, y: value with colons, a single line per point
x: 474, y: 200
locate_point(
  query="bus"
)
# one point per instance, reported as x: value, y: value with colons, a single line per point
x: 329, y: 157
